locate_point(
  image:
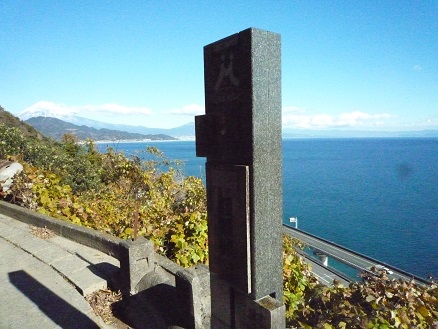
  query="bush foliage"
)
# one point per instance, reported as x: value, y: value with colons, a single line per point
x: 130, y: 197
x: 110, y: 192
x: 374, y: 302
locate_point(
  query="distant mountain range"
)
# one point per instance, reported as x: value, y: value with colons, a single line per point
x: 56, y: 128
x: 186, y: 132
x: 83, y: 128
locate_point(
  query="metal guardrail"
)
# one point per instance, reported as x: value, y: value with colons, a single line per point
x: 288, y: 229
x: 330, y: 269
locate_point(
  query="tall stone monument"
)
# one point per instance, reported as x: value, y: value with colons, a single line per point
x: 240, y: 134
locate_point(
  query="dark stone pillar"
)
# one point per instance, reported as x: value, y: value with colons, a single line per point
x: 240, y: 135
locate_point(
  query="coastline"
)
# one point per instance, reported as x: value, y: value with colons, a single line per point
x: 137, y: 141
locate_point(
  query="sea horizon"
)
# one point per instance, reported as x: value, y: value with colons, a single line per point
x: 376, y: 196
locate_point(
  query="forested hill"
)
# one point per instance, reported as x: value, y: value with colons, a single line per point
x: 27, y: 130
x: 56, y: 128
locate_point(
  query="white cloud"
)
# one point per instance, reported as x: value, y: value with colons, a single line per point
x: 350, y: 119
x: 116, y: 109
x: 426, y: 123
x: 293, y: 117
x: 417, y: 67
x: 114, y: 113
x: 47, y: 109
x: 192, y: 109
x: 50, y: 107
x: 357, y: 118
x: 56, y: 109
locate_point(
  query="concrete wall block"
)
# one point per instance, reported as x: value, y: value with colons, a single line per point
x: 154, y: 278
x: 193, y: 289
x: 136, y: 260
x: 83, y: 235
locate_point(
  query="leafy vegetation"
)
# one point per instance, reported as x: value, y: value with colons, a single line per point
x: 111, y: 193
x: 26, y: 130
x: 130, y: 197
x: 375, y: 302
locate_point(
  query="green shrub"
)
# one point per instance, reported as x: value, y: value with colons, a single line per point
x: 130, y: 198
x: 12, y: 141
x: 75, y: 164
x: 112, y: 193
x: 375, y: 302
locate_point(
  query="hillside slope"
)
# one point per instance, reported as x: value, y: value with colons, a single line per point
x: 27, y: 130
x: 56, y: 128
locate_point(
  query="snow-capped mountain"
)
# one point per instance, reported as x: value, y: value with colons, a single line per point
x: 47, y: 110
x: 186, y: 131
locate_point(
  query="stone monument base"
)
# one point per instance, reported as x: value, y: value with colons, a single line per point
x: 232, y: 309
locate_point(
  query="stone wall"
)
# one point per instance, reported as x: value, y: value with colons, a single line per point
x: 141, y: 269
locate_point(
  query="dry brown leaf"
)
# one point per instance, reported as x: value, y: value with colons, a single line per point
x: 42, y: 232
x: 101, y: 301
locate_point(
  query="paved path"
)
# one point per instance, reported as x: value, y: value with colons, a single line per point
x: 43, y: 280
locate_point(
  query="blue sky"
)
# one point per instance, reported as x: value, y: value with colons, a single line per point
x: 365, y: 65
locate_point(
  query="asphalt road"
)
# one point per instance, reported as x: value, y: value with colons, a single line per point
x: 348, y: 257
x: 325, y: 275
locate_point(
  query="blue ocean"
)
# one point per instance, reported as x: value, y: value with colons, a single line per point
x: 378, y: 197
